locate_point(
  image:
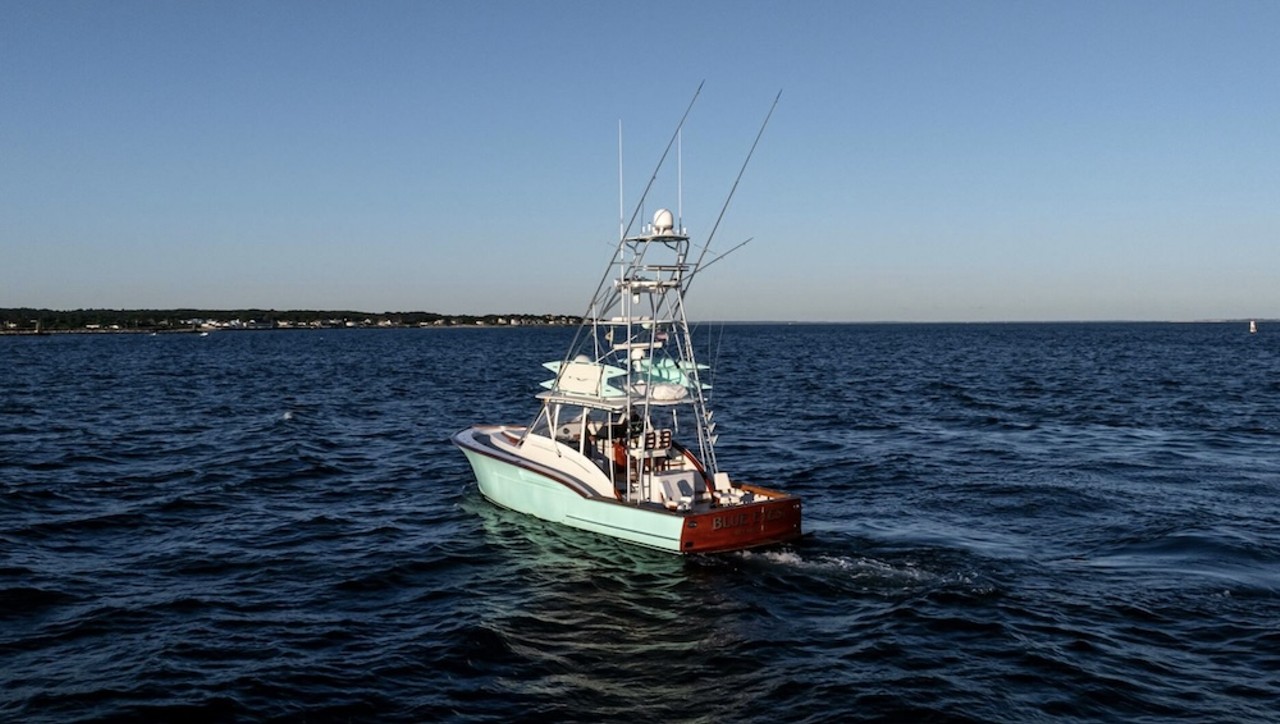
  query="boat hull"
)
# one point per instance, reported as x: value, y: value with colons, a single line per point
x: 528, y: 488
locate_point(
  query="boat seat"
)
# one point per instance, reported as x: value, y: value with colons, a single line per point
x: 652, y: 441
x: 723, y: 491
x: 654, y: 447
x: 720, y: 482
x: 677, y: 491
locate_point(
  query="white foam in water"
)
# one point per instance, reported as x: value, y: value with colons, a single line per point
x: 288, y: 415
x: 859, y: 568
x: 784, y: 557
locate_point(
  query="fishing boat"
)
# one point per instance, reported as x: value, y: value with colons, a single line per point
x: 624, y: 440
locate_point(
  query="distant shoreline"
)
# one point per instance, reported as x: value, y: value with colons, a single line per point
x: 31, y: 321
x: 168, y: 332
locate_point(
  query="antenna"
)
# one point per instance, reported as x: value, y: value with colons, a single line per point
x: 643, y: 196
x: 621, y: 211
x: 679, y: 182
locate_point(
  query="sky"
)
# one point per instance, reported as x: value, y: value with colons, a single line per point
x: 927, y: 161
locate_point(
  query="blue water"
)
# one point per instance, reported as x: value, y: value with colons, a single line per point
x: 1014, y: 523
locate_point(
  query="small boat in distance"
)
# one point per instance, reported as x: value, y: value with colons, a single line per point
x: 624, y: 442
x: 1253, y: 326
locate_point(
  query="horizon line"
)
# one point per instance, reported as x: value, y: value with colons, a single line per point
x: 296, y: 310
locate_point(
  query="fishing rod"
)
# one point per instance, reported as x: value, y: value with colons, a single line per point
x: 734, y: 189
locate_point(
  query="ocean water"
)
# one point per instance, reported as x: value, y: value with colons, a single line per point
x: 1006, y: 523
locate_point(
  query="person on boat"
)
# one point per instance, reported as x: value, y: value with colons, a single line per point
x: 628, y: 428
x: 620, y: 454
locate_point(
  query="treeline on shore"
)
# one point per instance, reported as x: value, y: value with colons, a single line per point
x: 30, y: 320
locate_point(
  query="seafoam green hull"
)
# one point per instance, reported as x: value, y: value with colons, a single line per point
x: 527, y: 491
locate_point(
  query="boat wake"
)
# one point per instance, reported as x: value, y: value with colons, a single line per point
x: 861, y: 574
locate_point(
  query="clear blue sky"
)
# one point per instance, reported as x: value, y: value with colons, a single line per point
x: 928, y: 161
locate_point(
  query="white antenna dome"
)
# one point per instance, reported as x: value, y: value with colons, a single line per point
x: 663, y: 221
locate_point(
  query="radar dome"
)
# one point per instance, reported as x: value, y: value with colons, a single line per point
x: 663, y: 222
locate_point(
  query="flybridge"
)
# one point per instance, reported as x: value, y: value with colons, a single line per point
x: 638, y: 351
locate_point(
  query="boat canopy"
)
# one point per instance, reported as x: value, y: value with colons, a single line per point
x: 611, y: 404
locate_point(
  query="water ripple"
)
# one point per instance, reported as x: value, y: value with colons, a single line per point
x: 1006, y: 523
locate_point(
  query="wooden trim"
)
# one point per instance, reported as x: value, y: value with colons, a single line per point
x: 739, y: 527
